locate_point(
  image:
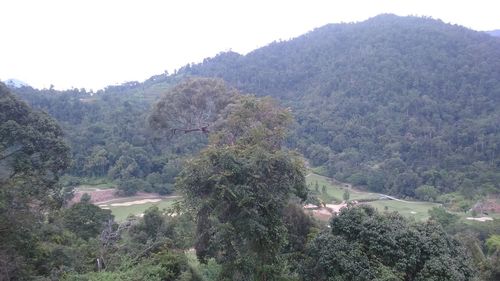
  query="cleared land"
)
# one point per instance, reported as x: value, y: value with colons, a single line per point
x: 414, y: 209
x: 122, y: 212
x: 335, y: 190
x: 122, y: 207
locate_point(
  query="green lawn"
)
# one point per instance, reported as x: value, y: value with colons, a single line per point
x: 416, y: 209
x: 122, y: 212
x: 335, y: 191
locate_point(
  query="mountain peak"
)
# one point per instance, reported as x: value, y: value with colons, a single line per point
x: 15, y: 83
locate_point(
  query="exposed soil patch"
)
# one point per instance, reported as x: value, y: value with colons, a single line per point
x: 325, y: 212
x: 96, y: 196
x: 136, y: 202
x: 109, y: 196
x: 491, y: 205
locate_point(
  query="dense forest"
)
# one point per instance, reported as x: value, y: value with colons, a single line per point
x: 399, y: 105
x: 240, y: 212
x: 391, y: 103
x: 109, y: 137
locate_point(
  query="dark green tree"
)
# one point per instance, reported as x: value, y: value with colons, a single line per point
x: 85, y: 219
x: 32, y: 156
x: 238, y: 187
x: 363, y: 244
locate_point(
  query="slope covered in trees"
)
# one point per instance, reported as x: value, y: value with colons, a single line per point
x: 392, y: 103
x: 32, y: 157
x: 239, y: 211
x: 109, y: 135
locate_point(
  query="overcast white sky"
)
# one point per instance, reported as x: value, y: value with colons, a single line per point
x: 91, y: 44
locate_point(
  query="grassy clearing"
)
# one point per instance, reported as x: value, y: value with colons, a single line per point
x: 122, y: 212
x: 335, y: 191
x: 417, y: 210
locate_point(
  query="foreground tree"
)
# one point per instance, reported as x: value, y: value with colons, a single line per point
x: 239, y: 185
x: 363, y: 244
x: 32, y: 156
x: 85, y: 219
x: 193, y: 105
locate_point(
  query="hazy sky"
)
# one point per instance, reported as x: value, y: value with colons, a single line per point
x: 92, y: 44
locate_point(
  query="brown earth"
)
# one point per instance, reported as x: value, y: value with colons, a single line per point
x: 100, y: 196
x: 491, y: 205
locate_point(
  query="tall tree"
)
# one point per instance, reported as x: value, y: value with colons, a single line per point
x: 363, y: 244
x: 32, y: 156
x: 238, y: 186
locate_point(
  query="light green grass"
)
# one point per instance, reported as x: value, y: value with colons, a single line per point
x: 94, y: 187
x: 420, y: 208
x: 320, y: 170
x: 336, y: 190
x: 122, y: 212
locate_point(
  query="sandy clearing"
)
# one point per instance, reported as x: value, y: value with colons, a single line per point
x: 335, y: 208
x: 481, y: 219
x: 310, y: 206
x: 322, y: 213
x: 138, y: 196
x: 137, y: 202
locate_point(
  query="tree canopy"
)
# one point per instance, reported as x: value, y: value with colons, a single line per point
x: 33, y: 155
x: 237, y: 188
x: 363, y: 244
x: 391, y: 103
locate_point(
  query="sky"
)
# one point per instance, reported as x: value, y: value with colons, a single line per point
x: 95, y: 43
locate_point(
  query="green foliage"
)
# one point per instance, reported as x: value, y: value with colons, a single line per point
x: 85, y: 219
x: 163, y: 266
x: 401, y: 105
x: 441, y: 216
x: 32, y: 157
x: 363, y: 244
x: 392, y: 102
x: 346, y: 195
x: 237, y: 189
x: 131, y: 186
x: 191, y: 105
x: 237, y: 195
x: 85, y: 198
x: 108, y: 134
x: 426, y: 193
x: 493, y: 243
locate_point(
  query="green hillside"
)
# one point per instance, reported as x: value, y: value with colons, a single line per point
x: 392, y: 103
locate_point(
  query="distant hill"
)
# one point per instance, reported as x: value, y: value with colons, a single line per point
x: 392, y: 103
x: 495, y: 33
x: 15, y: 83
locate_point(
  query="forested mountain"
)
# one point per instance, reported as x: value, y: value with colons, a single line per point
x: 403, y: 105
x: 393, y: 103
x: 109, y: 135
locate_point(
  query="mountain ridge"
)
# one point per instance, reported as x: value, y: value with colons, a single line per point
x: 392, y: 103
x: 389, y: 89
